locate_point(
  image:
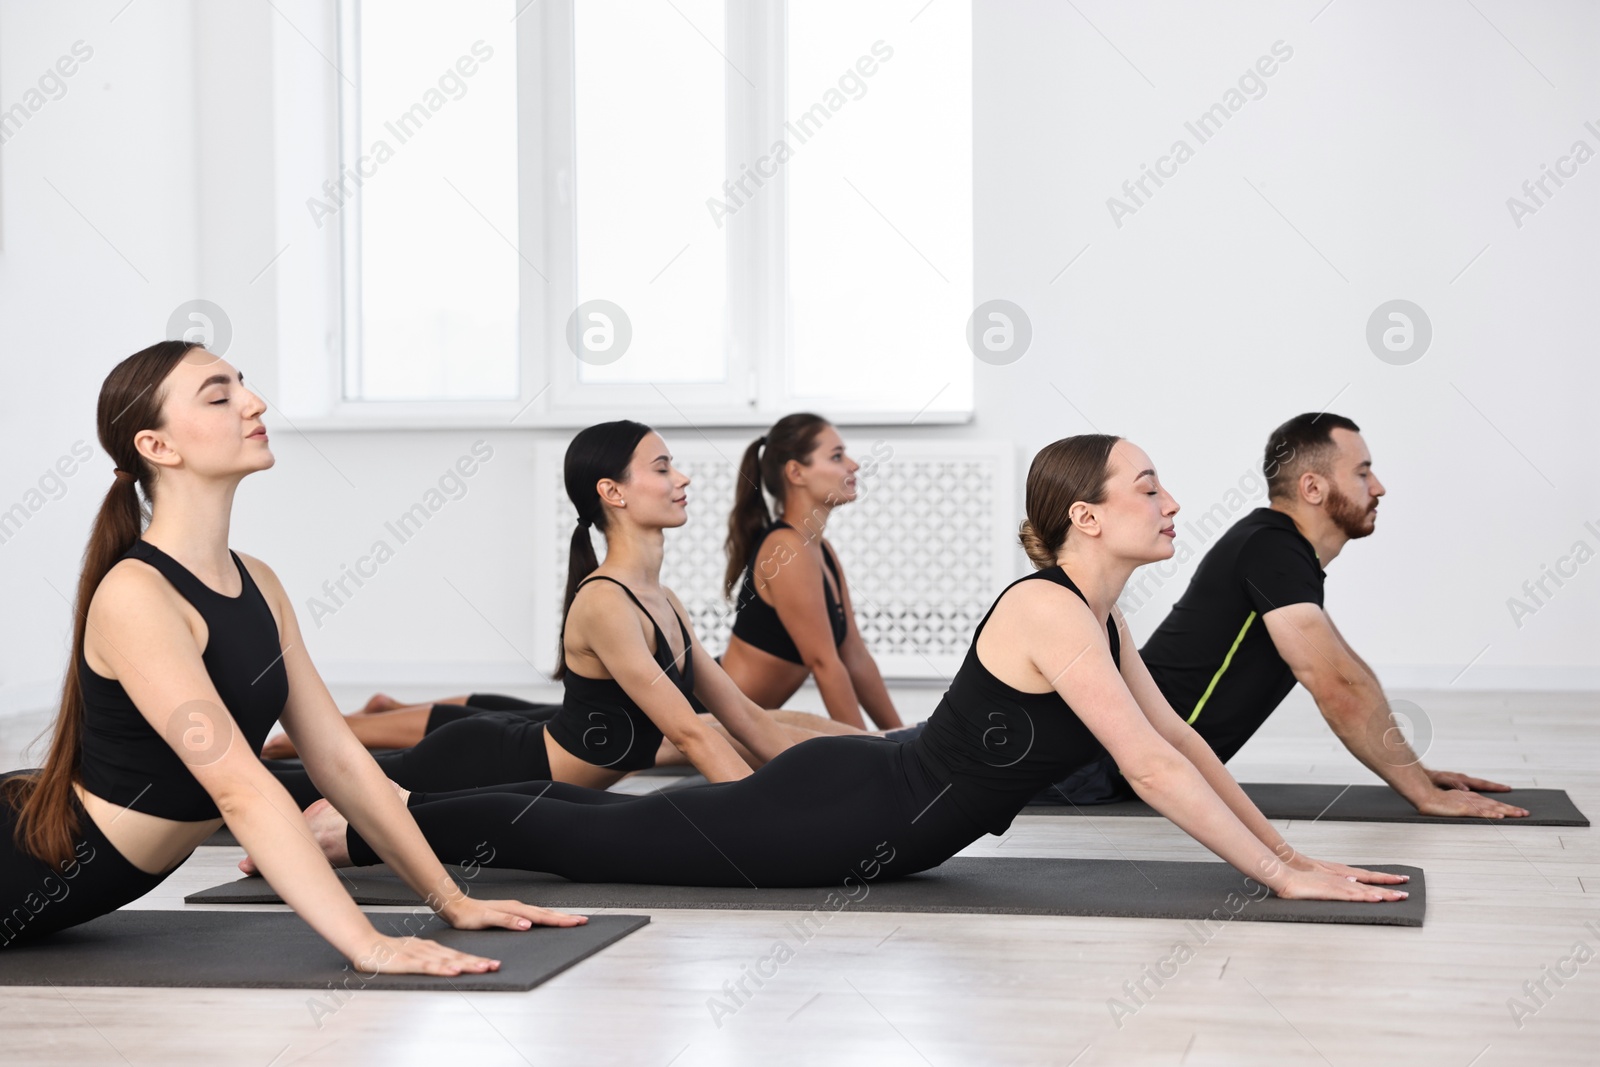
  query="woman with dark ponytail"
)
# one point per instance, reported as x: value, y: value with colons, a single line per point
x: 631, y: 681
x: 1048, y: 685
x: 795, y: 617
x: 184, y: 654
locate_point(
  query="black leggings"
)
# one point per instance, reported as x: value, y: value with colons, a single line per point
x: 493, y: 703
x: 473, y: 750
x: 823, y: 811
x: 36, y: 900
x: 1096, y: 782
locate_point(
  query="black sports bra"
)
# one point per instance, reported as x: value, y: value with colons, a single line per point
x: 994, y: 746
x: 757, y: 623
x: 126, y: 761
x: 598, y: 722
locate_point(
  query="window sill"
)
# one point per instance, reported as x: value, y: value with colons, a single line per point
x: 392, y: 416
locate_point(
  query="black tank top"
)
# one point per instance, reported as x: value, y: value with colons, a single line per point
x: 599, y: 723
x: 757, y: 623
x: 993, y: 747
x: 126, y: 761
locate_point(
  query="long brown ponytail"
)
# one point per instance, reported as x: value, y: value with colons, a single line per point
x: 791, y: 437
x: 130, y: 401
x: 604, y: 450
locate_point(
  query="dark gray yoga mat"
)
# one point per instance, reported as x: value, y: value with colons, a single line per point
x: 990, y: 885
x: 277, y: 950
x: 1353, y: 803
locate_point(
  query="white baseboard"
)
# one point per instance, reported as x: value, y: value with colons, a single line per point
x: 1491, y: 679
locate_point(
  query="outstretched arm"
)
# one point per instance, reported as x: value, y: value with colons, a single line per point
x: 793, y: 579
x: 1183, y: 737
x: 354, y: 784
x: 1442, y: 779
x: 1066, y: 646
x: 749, y: 723
x: 1353, y: 703
x: 154, y: 655
x: 863, y: 669
x: 604, y: 623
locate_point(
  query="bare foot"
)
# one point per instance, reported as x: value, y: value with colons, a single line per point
x: 327, y: 829
x: 279, y: 747
x: 379, y: 702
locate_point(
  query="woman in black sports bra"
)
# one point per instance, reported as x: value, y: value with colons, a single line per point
x: 802, y: 462
x: 1047, y: 685
x: 795, y: 619
x: 184, y: 655
x: 628, y: 684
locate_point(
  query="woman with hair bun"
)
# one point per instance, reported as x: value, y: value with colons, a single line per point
x: 1048, y: 684
x: 796, y: 620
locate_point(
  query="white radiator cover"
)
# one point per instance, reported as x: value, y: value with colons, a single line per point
x: 926, y: 546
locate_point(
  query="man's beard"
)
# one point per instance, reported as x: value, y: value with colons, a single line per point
x: 1350, y: 517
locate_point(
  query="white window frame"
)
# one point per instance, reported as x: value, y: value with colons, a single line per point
x: 312, y: 131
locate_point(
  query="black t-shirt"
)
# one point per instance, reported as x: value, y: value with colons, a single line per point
x: 1212, y: 656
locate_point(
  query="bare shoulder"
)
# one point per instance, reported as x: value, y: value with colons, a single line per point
x: 133, y: 605
x: 131, y: 588
x: 1042, y: 603
x: 600, y: 601
x: 263, y: 575
x: 783, y: 553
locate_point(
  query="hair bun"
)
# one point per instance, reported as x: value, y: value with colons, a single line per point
x: 1034, y: 546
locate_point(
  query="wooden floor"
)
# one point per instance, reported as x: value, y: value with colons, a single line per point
x: 883, y: 989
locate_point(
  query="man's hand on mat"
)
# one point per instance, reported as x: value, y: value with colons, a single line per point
x: 1460, y: 802
x: 469, y: 913
x: 414, y: 955
x: 1457, y: 780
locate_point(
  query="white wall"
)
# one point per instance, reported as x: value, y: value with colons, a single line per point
x: 1390, y: 141
x: 120, y: 147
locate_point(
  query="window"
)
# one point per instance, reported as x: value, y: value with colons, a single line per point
x: 651, y: 122
x: 429, y: 145
x: 704, y: 211
x: 879, y: 250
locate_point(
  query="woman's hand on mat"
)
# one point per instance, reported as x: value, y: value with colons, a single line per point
x: 1325, y: 884
x: 1361, y: 874
x: 1460, y: 802
x: 469, y: 913
x: 414, y: 955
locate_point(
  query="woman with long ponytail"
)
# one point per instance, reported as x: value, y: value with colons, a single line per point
x: 796, y: 619
x: 634, y: 673
x: 184, y: 655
